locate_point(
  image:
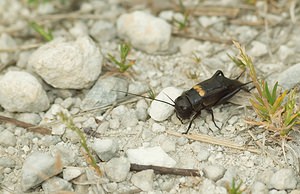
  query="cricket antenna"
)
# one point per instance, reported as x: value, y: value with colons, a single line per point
x: 148, y: 97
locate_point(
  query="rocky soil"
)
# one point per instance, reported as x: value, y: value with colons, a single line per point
x: 72, y: 74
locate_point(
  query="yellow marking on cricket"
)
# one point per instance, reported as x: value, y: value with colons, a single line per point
x: 199, y: 89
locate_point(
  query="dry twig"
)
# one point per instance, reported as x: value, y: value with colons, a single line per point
x: 165, y: 170
x: 28, y: 126
x: 215, y: 141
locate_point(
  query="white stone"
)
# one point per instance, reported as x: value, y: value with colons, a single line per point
x: 158, y: 128
x: 214, y: 172
x: 79, y: 29
x: 159, y: 111
x: 259, y: 188
x: 56, y: 185
x: 37, y: 168
x: 103, y: 30
x: 143, y: 180
x: 21, y: 92
x: 71, y: 172
x: 144, y: 31
x: 6, y: 42
x: 283, y: 179
x: 150, y: 156
x: 68, y: 65
x: 117, y: 169
x: 7, y: 138
x: 105, y: 148
x: 289, y: 77
x: 284, y: 52
x: 258, y: 49
x: 208, y: 185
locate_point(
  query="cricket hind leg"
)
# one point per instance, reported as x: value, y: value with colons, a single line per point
x: 191, y: 121
x: 209, y: 110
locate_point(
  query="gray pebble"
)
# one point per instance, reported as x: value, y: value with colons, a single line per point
x: 202, y: 154
x: 277, y: 192
x: 140, y: 29
x: 22, y: 92
x: 103, y: 30
x: 259, y: 188
x: 143, y: 180
x: 117, y: 169
x: 283, y: 179
x: 258, y: 49
x: 150, y: 156
x: 110, y: 187
x: 214, y: 172
x: 289, y: 77
x: 56, y: 185
x: 208, y: 185
x: 102, y: 92
x: 114, y: 124
x: 157, y: 128
x: 129, y: 119
x: 32, y: 118
x: 7, y: 138
x: 71, y: 172
x: 106, y: 149
x: 6, y: 58
x: 35, y: 165
x: 90, y: 123
x: 7, y: 162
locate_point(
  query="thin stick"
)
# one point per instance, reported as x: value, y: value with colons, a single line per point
x: 28, y: 126
x: 215, y: 141
x: 165, y: 170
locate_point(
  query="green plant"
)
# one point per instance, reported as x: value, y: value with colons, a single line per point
x: 233, y: 188
x: 182, y: 24
x: 68, y: 121
x: 47, y: 35
x: 277, y: 111
x: 123, y: 63
x: 151, y: 93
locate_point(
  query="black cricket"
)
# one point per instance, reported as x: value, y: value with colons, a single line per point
x: 203, y: 96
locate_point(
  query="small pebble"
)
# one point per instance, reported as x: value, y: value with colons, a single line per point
x: 289, y: 77
x: 157, y: 128
x: 150, y: 156
x: 117, y: 169
x: 56, y: 185
x: 140, y: 29
x: 106, y: 149
x: 7, y: 138
x: 159, y: 111
x: 71, y: 172
x: 259, y: 188
x: 104, y: 92
x: 103, y: 30
x: 35, y: 165
x: 6, y: 42
x: 7, y: 162
x: 277, y: 192
x: 258, y: 49
x: 283, y: 179
x: 22, y: 92
x: 214, y: 172
x: 143, y: 180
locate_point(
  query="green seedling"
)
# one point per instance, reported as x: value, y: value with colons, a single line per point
x: 184, y: 23
x: 123, y: 63
x: 277, y: 110
x: 235, y: 189
x: 47, y: 35
x: 68, y: 121
x: 151, y: 93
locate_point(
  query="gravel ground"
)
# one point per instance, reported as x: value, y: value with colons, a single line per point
x: 72, y: 74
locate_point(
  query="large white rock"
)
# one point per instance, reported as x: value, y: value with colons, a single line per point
x: 21, y: 92
x: 160, y: 111
x: 68, y: 65
x: 144, y: 31
x: 150, y: 156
